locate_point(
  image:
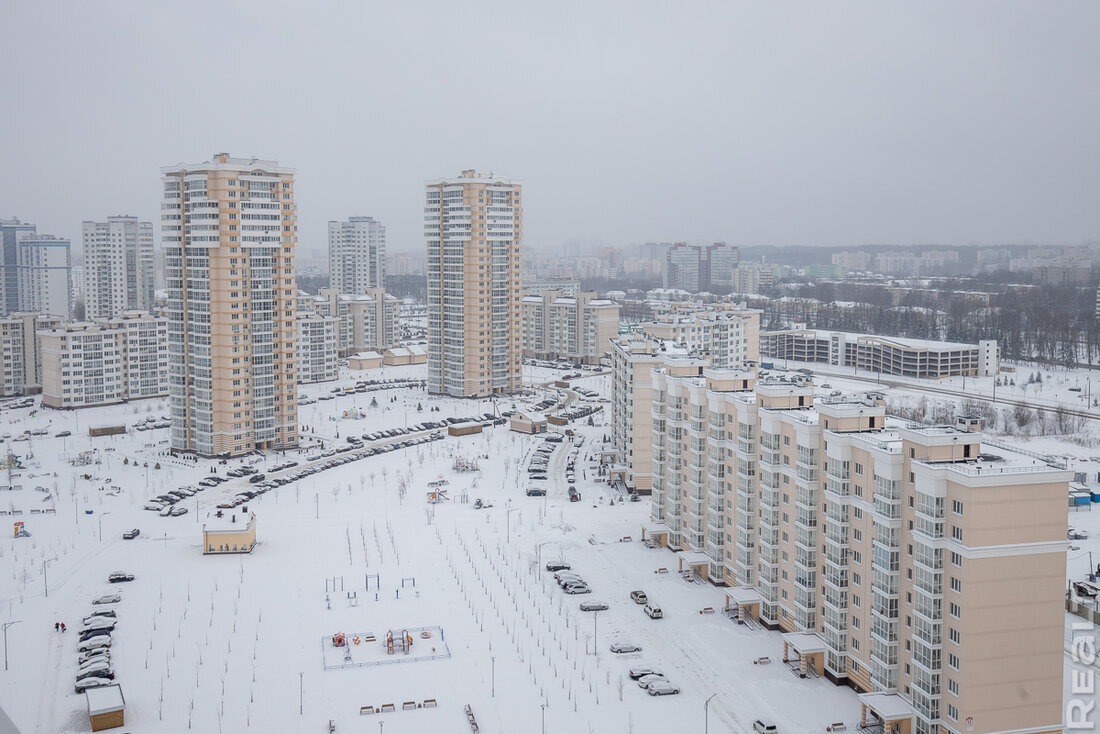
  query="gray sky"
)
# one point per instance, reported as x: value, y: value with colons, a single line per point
x: 749, y: 122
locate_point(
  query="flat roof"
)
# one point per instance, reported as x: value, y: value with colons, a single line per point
x: 105, y: 699
x: 744, y: 595
x: 888, y: 706
x: 805, y: 642
x: 224, y: 524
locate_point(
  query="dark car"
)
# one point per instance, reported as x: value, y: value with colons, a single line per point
x: 120, y: 576
x: 255, y: 478
x: 557, y: 566
x: 535, y: 492
x: 63, y: 434
x: 131, y: 534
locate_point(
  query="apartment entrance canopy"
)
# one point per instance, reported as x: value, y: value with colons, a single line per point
x: 809, y: 652
x: 888, y: 713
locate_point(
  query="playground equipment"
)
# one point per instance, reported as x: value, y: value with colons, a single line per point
x: 436, y: 495
x: 465, y: 465
x: 339, y: 640
x: 405, y: 640
x: 21, y: 531
x: 438, y: 483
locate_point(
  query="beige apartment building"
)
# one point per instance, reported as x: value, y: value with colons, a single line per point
x: 730, y: 336
x: 229, y: 233
x: 318, y: 349
x: 20, y: 358
x: 367, y: 321
x: 923, y: 565
x: 577, y: 328
x: 103, y: 362
x: 473, y: 225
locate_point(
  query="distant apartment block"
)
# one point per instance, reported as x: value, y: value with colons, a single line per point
x: 577, y: 328
x: 318, y: 347
x: 882, y: 354
x: 884, y: 551
x: 753, y: 278
x: 563, y: 286
x: 357, y: 255
x: 21, y: 357
x: 118, y: 270
x: 44, y: 275
x: 229, y: 233
x: 695, y: 268
x: 107, y: 361
x: 473, y: 225
x: 11, y: 231
x: 366, y: 321
x: 730, y: 337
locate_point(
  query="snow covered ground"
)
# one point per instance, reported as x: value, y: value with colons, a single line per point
x: 342, y: 551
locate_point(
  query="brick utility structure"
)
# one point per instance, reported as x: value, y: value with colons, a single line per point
x: 473, y: 225
x: 229, y: 233
x: 923, y: 565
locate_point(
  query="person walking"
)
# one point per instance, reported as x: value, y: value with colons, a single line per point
x: 56, y: 626
x: 62, y: 626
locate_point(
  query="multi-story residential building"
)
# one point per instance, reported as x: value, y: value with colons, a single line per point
x: 884, y: 550
x: 229, y: 234
x: 882, y: 354
x: 577, y: 328
x: 318, y: 348
x: 720, y: 261
x: 562, y: 286
x: 22, y: 363
x: 752, y: 277
x: 357, y: 255
x: 695, y: 268
x: 45, y: 275
x: 633, y: 357
x: 103, y: 362
x: 11, y: 231
x: 474, y: 229
x: 366, y: 321
x: 118, y: 267
x: 730, y: 336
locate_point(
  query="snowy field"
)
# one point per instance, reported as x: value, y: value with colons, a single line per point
x: 348, y: 551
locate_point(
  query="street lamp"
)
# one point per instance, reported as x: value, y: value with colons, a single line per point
x: 706, y: 714
x: 538, y: 555
x: 45, y: 581
x: 543, y: 718
x: 493, y: 660
x: 5, y: 625
x: 101, y: 525
x: 595, y: 647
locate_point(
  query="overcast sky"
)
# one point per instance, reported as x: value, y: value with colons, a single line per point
x: 794, y: 123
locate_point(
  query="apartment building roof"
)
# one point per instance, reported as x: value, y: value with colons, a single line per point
x: 905, y: 342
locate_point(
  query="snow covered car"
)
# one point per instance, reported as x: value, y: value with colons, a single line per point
x: 639, y: 596
x: 95, y: 620
x: 557, y: 566
x: 636, y: 673
x: 94, y: 643
x: 645, y: 680
x: 760, y: 727
x: 85, y: 684
x: 131, y: 534
x: 101, y: 653
x: 580, y: 588
x: 624, y: 647
x: 94, y: 665
x: 662, y: 687
x: 166, y: 511
x: 177, y: 511
x: 593, y: 606
x: 107, y: 599
x: 119, y: 576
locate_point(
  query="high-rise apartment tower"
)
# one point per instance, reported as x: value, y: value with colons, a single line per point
x: 118, y: 267
x: 229, y: 236
x: 357, y: 255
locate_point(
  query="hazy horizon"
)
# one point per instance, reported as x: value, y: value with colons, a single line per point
x: 752, y: 124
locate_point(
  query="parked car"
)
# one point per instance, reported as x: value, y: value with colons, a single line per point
x: 94, y: 643
x: 177, y: 511
x: 762, y: 728
x: 653, y: 611
x: 154, y: 506
x: 535, y: 492
x: 166, y: 511
x: 645, y: 680
x: 580, y: 588
x: 63, y: 434
x: 625, y: 647
x: 107, y: 599
x: 83, y: 685
x: 557, y: 566
x: 131, y: 534
x: 662, y: 687
x: 101, y: 653
x: 636, y: 673
x: 99, y: 663
x: 639, y: 596
x: 96, y: 620
x: 593, y: 606
x: 120, y: 576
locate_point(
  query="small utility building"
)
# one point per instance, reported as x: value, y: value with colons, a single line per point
x: 233, y: 532
x: 106, y: 707
x: 528, y: 423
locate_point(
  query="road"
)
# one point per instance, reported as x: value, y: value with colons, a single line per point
x: 920, y: 387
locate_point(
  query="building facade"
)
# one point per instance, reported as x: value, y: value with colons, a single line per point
x: 118, y: 271
x: 109, y: 361
x: 229, y: 235
x: 45, y: 275
x: 473, y: 225
x: 883, y: 549
x: 318, y: 347
x: 577, y: 328
x: 357, y: 255
x: 882, y: 354
x: 11, y: 231
x: 22, y: 363
x: 730, y: 337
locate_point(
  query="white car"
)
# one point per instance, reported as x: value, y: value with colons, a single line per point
x: 577, y: 589
x: 107, y: 599
x: 94, y: 666
x: 177, y: 511
x: 154, y: 506
x: 645, y: 680
x: 99, y: 620
x: 624, y: 647
x: 83, y: 685
x: 662, y: 688
x: 762, y: 728
x: 100, y: 654
x: 166, y: 511
x: 93, y: 643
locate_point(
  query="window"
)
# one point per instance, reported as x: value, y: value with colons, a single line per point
x: 953, y: 661
x: 956, y: 532
x: 956, y: 559
x: 957, y: 507
x: 955, y: 610
x: 956, y: 585
x: 953, y: 686
x: 859, y: 469
x: 952, y: 712
x: 953, y: 634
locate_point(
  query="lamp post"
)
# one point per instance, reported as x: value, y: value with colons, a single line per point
x: 493, y: 684
x: 45, y: 580
x: 101, y: 525
x: 595, y: 647
x: 300, y: 690
x: 706, y: 714
x: 5, y: 625
x: 538, y: 555
x: 543, y: 718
